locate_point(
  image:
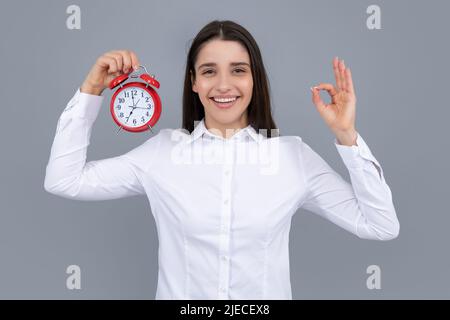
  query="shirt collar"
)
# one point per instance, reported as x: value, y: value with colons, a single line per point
x: 200, y: 130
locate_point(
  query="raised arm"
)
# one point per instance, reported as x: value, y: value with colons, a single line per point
x: 67, y: 173
x: 365, y: 206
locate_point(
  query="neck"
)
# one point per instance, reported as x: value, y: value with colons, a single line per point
x: 226, y: 130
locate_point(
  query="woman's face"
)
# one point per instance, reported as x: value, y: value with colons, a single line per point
x: 223, y: 72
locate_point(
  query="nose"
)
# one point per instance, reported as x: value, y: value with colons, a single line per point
x: 223, y: 82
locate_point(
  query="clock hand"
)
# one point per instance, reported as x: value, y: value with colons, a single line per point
x: 128, y: 118
x: 141, y: 108
x: 132, y: 98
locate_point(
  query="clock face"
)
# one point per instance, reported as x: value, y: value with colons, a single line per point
x: 133, y: 106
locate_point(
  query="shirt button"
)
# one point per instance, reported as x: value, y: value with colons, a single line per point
x: 227, y: 172
x: 226, y: 201
x: 222, y: 289
x: 224, y: 258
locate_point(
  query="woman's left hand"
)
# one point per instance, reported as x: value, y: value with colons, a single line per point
x: 339, y: 115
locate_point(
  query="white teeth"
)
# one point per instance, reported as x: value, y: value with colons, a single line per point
x: 224, y: 100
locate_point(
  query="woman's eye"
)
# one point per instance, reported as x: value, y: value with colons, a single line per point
x: 211, y: 71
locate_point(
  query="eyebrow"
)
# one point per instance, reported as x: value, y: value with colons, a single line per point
x: 212, y: 64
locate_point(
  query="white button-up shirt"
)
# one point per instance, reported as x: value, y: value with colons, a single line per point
x: 223, y: 207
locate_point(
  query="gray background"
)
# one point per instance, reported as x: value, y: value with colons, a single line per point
x: 397, y: 72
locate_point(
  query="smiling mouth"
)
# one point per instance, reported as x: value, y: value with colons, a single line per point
x: 224, y: 105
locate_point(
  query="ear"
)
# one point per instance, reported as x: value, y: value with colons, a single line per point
x: 194, y: 86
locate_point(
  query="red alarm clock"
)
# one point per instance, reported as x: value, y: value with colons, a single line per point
x: 135, y: 106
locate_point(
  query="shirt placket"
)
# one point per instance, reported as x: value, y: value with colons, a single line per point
x: 225, y: 221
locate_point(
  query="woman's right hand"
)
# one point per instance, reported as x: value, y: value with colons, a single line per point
x: 107, y: 67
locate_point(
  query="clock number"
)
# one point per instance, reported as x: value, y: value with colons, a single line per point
x: 121, y: 115
x: 126, y: 94
x: 119, y: 107
x: 134, y: 92
x: 147, y: 114
x: 121, y: 100
x: 143, y: 119
x: 134, y: 121
x: 147, y: 99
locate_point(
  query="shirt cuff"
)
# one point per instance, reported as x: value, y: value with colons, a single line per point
x: 356, y: 156
x: 85, y: 105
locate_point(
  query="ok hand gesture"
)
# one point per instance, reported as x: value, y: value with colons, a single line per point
x: 339, y: 115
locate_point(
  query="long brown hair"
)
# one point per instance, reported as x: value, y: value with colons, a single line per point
x: 259, y: 109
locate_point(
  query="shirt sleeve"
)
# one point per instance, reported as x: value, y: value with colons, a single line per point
x: 365, y: 206
x: 67, y: 173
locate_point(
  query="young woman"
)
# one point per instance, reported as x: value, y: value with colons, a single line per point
x: 223, y: 224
